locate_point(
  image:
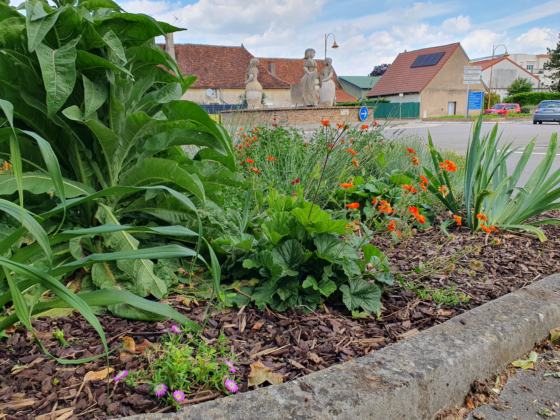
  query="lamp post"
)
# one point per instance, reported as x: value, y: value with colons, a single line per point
x: 492, y: 68
x: 335, y: 45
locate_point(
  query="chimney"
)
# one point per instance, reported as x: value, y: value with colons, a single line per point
x: 170, y: 46
x: 272, y: 68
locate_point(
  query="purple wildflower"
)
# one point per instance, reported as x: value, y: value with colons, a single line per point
x: 160, y: 390
x: 179, y: 396
x: 121, y: 375
x: 230, y: 363
x: 231, y: 386
x: 176, y: 329
x: 232, y: 370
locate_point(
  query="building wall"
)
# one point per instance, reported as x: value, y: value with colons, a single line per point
x: 353, y: 90
x: 278, y: 97
x: 537, y: 62
x: 503, y: 75
x: 447, y: 86
x: 407, y: 97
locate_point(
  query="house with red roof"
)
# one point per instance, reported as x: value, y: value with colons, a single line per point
x: 220, y: 72
x: 504, y: 72
x: 431, y: 76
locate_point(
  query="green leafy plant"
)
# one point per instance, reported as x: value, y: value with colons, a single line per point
x: 520, y: 85
x: 532, y: 98
x: 59, y: 335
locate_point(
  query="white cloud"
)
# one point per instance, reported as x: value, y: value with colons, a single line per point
x: 148, y: 7
x: 457, y: 24
x: 479, y: 43
x: 536, y: 40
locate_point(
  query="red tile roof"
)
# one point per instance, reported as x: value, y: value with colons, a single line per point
x: 487, y: 63
x: 400, y: 78
x: 221, y: 67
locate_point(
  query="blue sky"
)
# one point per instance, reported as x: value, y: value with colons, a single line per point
x: 368, y: 32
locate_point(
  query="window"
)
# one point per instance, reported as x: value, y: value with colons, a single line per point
x: 272, y: 68
x: 530, y: 68
x: 498, y: 106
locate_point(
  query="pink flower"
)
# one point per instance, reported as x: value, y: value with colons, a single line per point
x: 121, y: 375
x: 160, y: 390
x: 176, y: 329
x: 232, y: 370
x: 231, y: 386
x: 179, y: 396
x: 230, y: 363
x: 297, y: 180
x: 293, y: 182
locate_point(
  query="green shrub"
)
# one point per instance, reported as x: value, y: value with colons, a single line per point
x: 532, y: 98
x: 495, y: 99
x: 528, y: 109
x: 520, y: 85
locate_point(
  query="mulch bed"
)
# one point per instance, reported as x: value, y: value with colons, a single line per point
x: 291, y: 343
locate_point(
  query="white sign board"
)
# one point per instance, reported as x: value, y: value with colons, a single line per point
x: 472, y: 67
x: 471, y: 82
x: 471, y: 77
x: 472, y: 72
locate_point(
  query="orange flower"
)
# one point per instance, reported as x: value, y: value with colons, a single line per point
x: 482, y: 217
x: 420, y: 218
x: 355, y: 162
x: 294, y: 194
x: 342, y: 141
x: 353, y: 205
x: 485, y: 229
x: 339, y: 125
x: 244, y: 135
x: 413, y: 210
x: 410, y: 150
x: 374, y: 201
x: 250, y: 161
x: 423, y: 178
x: 457, y: 219
x: 351, y: 151
x: 423, y: 186
x: 255, y: 170
x: 237, y: 134
x: 398, y: 232
x: 451, y: 167
x: 241, y: 129
x: 409, y: 188
x: 240, y: 146
x: 351, y: 140
x: 304, y: 144
x: 271, y: 158
x: 256, y: 129
x: 365, y: 127
x: 392, y: 225
x: 7, y: 166
x: 255, y: 138
x: 444, y: 190
x: 415, y: 161
x: 375, y: 123
x: 346, y: 185
x: 325, y: 123
x: 385, y: 207
x: 242, y: 163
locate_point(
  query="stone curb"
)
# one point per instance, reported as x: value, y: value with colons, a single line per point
x: 412, y: 379
x: 500, y: 119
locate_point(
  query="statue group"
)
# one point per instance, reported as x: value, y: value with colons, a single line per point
x: 318, y: 89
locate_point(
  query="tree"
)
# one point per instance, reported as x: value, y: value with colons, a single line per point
x: 520, y: 85
x: 554, y: 66
x: 495, y: 99
x: 379, y: 70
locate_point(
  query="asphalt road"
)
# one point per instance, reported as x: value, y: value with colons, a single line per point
x: 455, y: 136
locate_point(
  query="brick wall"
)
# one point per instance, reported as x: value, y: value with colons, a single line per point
x: 294, y: 116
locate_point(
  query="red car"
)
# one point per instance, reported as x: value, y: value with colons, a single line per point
x: 503, y: 109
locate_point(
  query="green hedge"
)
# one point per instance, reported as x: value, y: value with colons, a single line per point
x: 532, y: 98
x: 358, y: 103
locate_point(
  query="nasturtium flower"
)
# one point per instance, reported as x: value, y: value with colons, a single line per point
x: 351, y: 151
x: 346, y: 185
x: 121, y: 375
x: 231, y: 386
x: 457, y: 219
x: 160, y: 389
x: 179, y: 396
x: 353, y: 205
x: 482, y: 217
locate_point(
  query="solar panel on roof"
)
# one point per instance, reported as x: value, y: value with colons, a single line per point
x: 427, y: 60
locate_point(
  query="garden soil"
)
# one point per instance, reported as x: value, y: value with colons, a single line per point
x: 292, y: 343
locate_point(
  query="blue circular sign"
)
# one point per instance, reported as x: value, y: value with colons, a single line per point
x: 364, y: 113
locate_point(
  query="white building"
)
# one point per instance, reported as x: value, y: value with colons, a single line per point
x: 534, y: 64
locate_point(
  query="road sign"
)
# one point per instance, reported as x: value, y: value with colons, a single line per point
x: 364, y: 113
x: 471, y: 77
x: 472, y: 72
x: 472, y: 67
x: 471, y: 82
x: 475, y: 100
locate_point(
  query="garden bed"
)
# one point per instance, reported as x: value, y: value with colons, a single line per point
x: 292, y: 343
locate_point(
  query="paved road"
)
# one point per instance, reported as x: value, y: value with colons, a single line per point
x: 455, y: 136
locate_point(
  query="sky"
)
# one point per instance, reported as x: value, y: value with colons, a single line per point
x: 368, y: 32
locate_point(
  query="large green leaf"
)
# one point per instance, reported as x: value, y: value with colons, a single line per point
x: 38, y: 23
x: 331, y: 248
x: 39, y: 183
x: 95, y: 95
x: 325, y: 286
x: 59, y: 73
x: 359, y: 293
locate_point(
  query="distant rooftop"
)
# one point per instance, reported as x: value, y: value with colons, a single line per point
x: 363, y: 82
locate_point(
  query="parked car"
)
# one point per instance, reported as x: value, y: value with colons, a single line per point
x: 547, y: 111
x: 503, y: 109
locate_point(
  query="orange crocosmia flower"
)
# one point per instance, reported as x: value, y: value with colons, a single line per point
x: 340, y: 125
x: 365, y: 127
x: 423, y: 186
x: 351, y: 151
x: 346, y: 185
x: 271, y: 158
x: 451, y: 167
x: 444, y: 190
x: 423, y: 178
x: 353, y: 205
x: 415, y: 161
x: 325, y: 123
x: 457, y: 219
x: 250, y: 161
x: 392, y: 225
x: 482, y: 217
x: 494, y: 228
x: 410, y: 150
x: 255, y: 170
x: 485, y: 229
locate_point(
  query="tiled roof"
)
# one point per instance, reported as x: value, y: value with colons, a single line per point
x: 401, y: 78
x: 221, y: 67
x: 487, y: 63
x: 363, y: 82
x: 343, y: 96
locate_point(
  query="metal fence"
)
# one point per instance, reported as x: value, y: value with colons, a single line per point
x: 397, y: 110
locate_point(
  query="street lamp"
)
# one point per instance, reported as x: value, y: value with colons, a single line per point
x: 335, y: 45
x: 492, y: 67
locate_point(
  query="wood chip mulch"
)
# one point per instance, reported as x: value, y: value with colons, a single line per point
x: 292, y: 343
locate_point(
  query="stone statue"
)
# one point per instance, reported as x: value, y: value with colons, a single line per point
x: 328, y: 88
x: 311, y: 81
x: 253, y: 89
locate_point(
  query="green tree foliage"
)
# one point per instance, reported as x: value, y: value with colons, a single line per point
x: 520, y: 85
x: 532, y: 98
x: 495, y: 99
x: 95, y: 131
x: 554, y: 65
